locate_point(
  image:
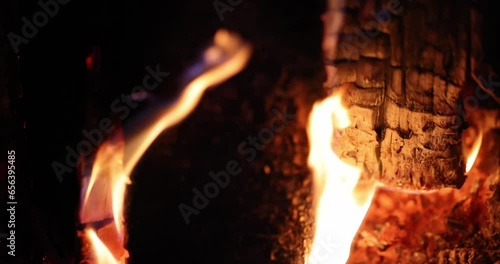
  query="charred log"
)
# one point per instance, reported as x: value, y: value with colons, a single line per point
x: 402, y: 66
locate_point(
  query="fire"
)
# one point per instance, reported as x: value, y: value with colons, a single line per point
x: 104, y: 192
x: 103, y: 254
x: 106, y: 185
x: 340, y: 205
x: 230, y: 53
x: 473, y: 153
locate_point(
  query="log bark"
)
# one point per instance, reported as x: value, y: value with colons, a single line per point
x: 402, y: 66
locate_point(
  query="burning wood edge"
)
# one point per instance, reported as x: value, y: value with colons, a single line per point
x: 341, y: 200
x: 103, y: 189
x: 96, y: 225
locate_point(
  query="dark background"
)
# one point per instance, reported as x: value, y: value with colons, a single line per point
x: 52, y: 96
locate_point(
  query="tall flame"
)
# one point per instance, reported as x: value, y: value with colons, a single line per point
x: 104, y: 192
x: 340, y: 205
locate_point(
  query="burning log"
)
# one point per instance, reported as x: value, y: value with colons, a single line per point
x: 402, y: 94
x: 402, y: 70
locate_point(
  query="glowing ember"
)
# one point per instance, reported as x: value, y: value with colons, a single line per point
x: 473, y: 153
x: 104, y: 193
x: 340, y: 205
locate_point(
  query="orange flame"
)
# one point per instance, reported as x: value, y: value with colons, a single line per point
x: 473, y: 153
x: 225, y: 45
x: 104, y: 191
x: 104, y: 255
x: 340, y: 205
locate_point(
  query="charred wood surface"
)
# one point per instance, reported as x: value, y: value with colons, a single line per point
x: 402, y: 66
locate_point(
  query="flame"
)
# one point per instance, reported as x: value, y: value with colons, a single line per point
x: 106, y: 186
x: 225, y: 45
x: 104, y: 255
x: 473, y: 153
x: 340, y: 204
x: 104, y: 192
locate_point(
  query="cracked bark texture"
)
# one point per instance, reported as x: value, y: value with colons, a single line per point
x: 401, y: 66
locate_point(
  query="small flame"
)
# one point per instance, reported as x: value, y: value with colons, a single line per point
x: 340, y: 205
x: 473, y: 153
x: 104, y: 191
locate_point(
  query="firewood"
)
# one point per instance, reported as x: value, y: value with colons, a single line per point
x: 402, y: 79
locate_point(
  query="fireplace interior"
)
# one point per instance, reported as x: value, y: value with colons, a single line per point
x: 418, y: 79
